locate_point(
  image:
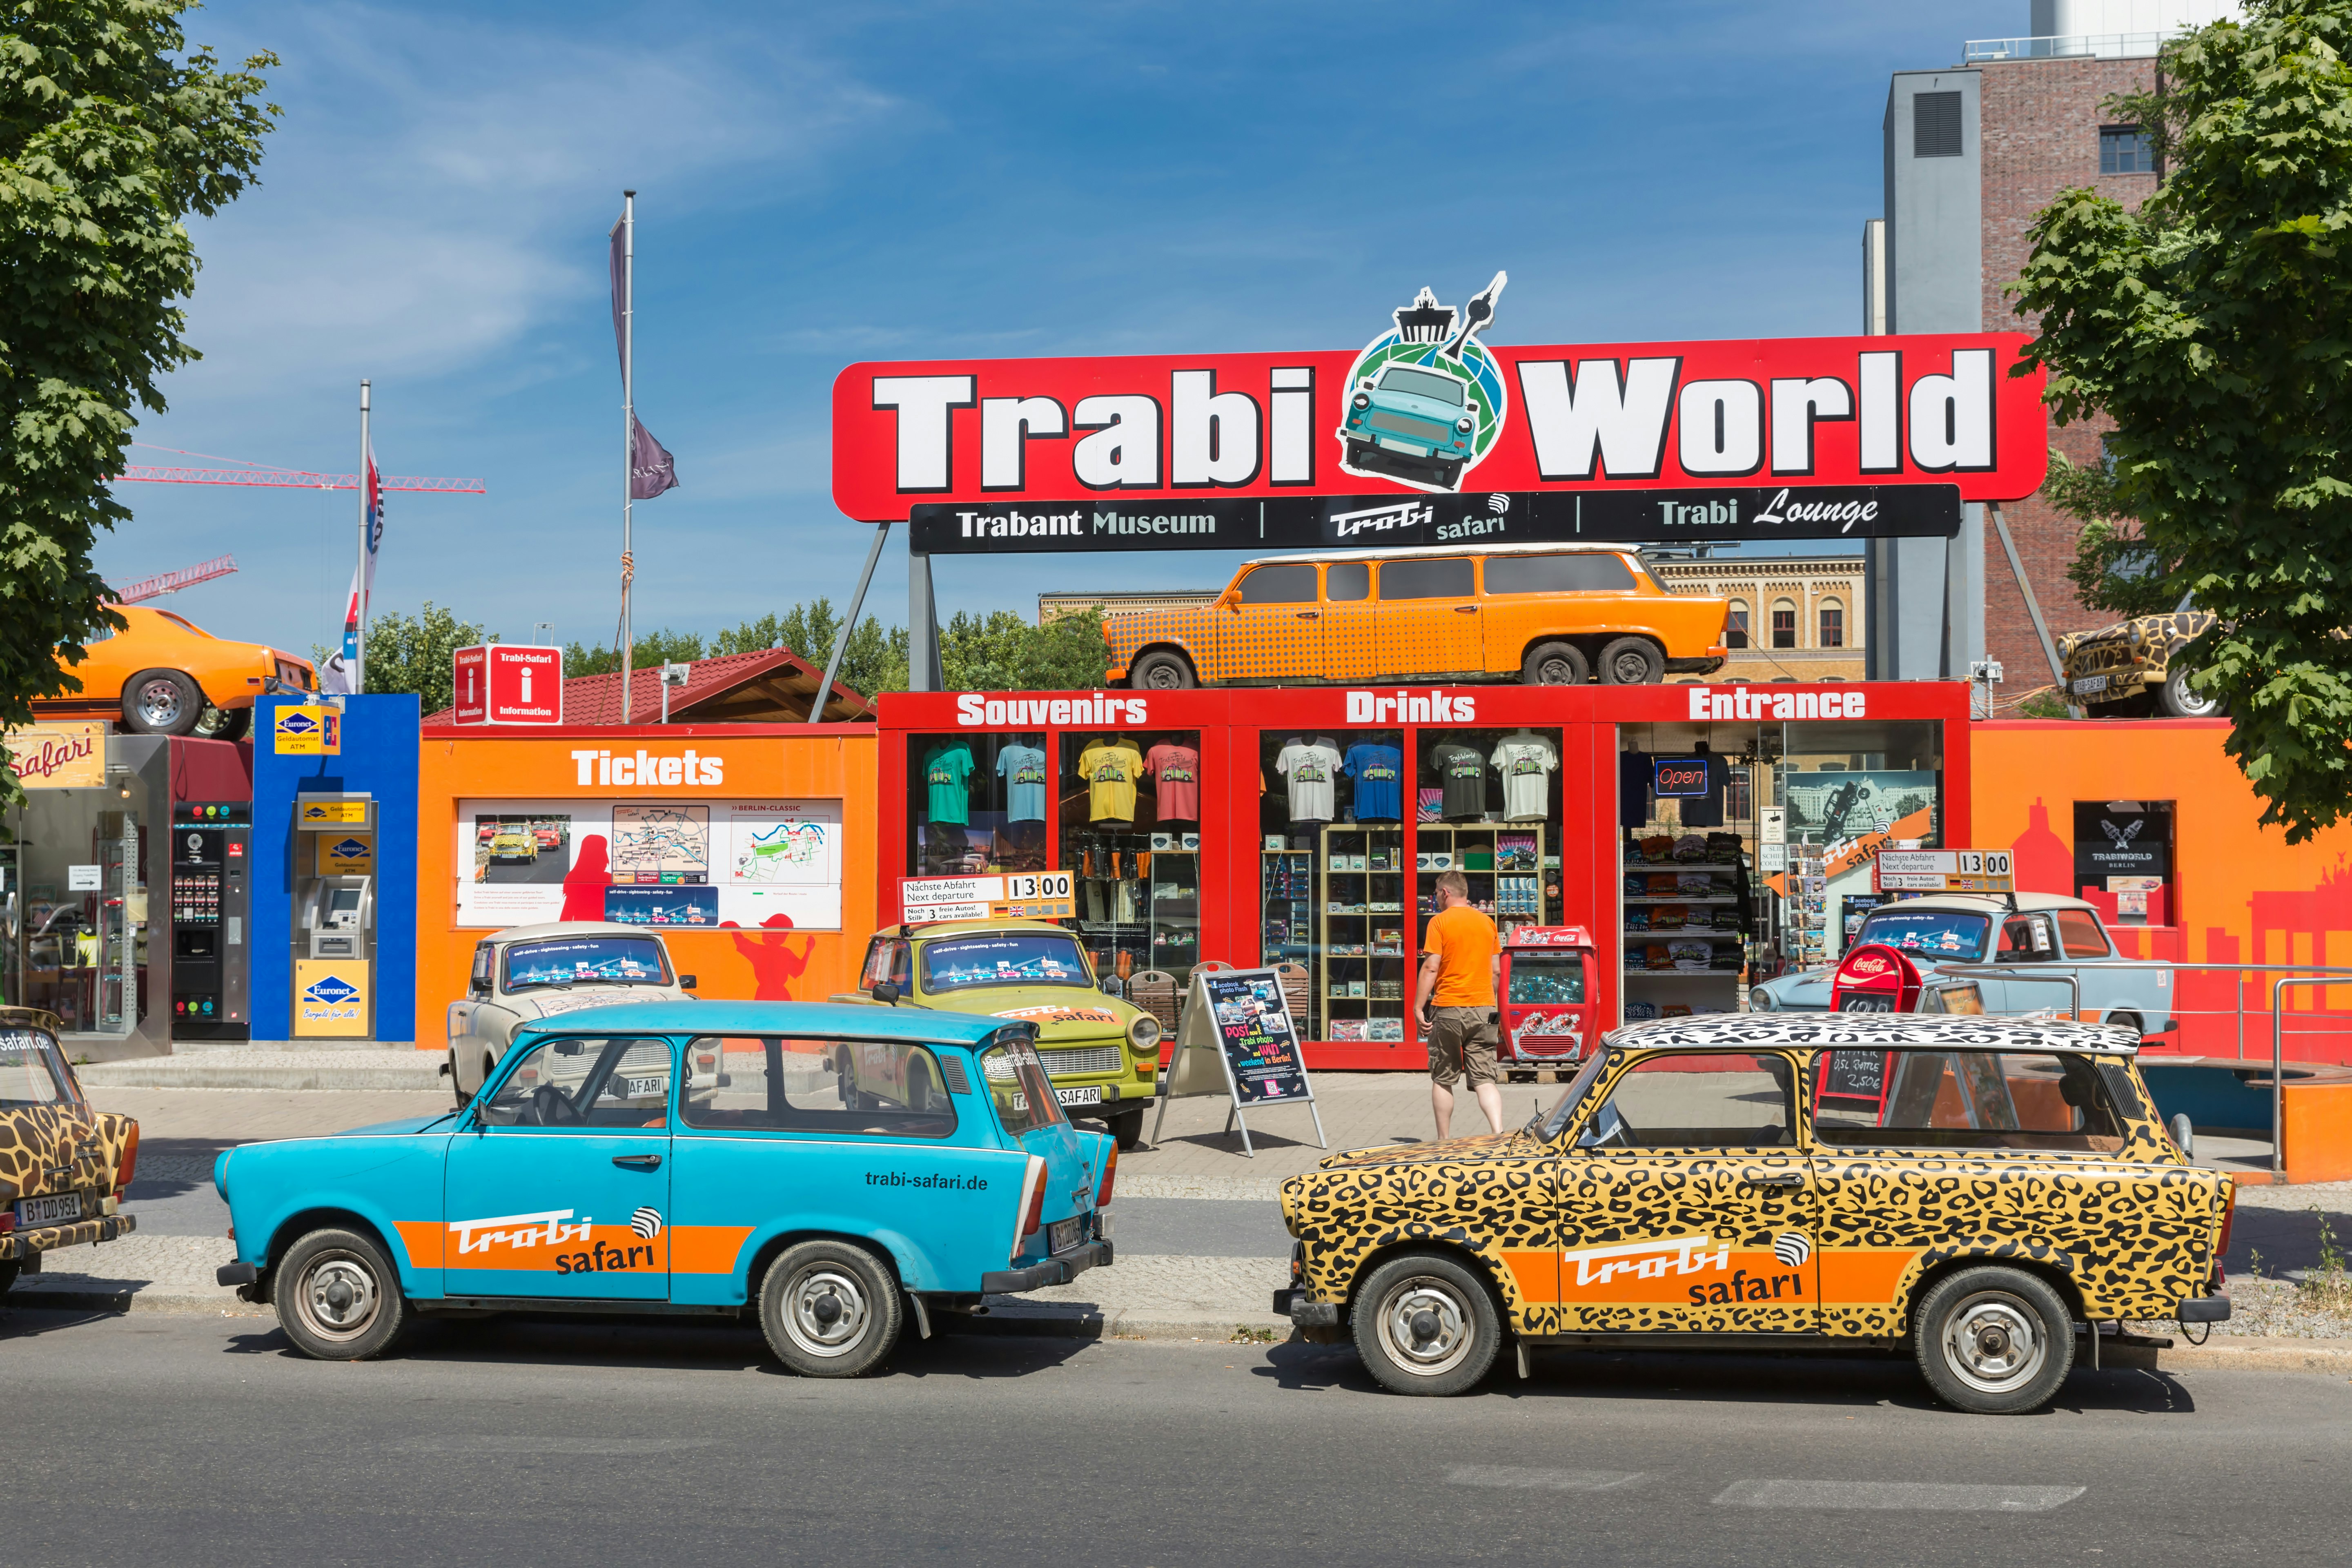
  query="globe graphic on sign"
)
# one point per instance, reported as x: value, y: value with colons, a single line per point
x: 1476, y: 367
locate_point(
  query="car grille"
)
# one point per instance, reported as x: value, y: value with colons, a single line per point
x: 1079, y: 1061
x: 1406, y: 425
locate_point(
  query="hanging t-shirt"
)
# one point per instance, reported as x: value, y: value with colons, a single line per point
x: 945, y: 769
x: 1023, y: 769
x: 1175, y: 774
x: 1463, y: 773
x: 1111, y: 768
x: 1379, y: 772
x: 1310, y: 766
x: 1525, y: 762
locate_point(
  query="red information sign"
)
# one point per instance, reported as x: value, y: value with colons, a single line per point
x: 500, y: 684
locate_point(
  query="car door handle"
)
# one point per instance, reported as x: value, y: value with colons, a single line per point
x: 1784, y: 1179
x: 1310, y: 614
x: 638, y: 1161
x: 1465, y: 609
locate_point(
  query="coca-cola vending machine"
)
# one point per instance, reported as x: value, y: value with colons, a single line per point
x: 1549, y: 1014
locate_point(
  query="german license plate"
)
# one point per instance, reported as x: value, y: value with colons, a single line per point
x: 1064, y: 1234
x: 49, y: 1211
x: 1079, y: 1096
x: 649, y: 1088
x: 2089, y: 683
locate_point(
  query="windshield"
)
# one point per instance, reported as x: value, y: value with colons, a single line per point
x: 586, y: 961
x: 1422, y: 384
x: 1017, y: 1084
x: 1550, y: 1124
x: 1004, y: 957
x: 1549, y: 978
x: 30, y: 1073
x: 1944, y: 933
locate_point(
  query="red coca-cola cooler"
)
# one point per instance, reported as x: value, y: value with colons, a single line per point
x: 1875, y: 978
x: 1550, y: 1017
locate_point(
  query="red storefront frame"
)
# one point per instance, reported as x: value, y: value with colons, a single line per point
x: 1230, y: 720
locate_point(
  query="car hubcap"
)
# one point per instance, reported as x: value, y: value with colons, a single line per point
x: 2186, y: 698
x: 159, y: 703
x: 1425, y: 1327
x: 338, y: 1297
x: 1163, y: 679
x: 1633, y: 670
x: 1553, y: 672
x: 1994, y: 1343
x: 825, y: 1312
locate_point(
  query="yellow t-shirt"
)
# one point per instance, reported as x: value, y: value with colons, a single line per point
x: 1110, y: 773
x: 1466, y: 945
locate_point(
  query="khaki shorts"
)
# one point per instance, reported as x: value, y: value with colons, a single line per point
x: 1462, y: 1041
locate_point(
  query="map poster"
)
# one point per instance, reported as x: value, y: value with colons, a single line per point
x: 638, y: 904
x: 1255, y: 1033
x: 785, y: 844
x: 661, y: 845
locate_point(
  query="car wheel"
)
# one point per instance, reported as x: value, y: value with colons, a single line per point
x: 1425, y: 1324
x: 1127, y: 1126
x: 337, y: 1297
x: 224, y: 725
x: 830, y: 1310
x: 1555, y: 663
x: 8, y: 1271
x: 1997, y: 1342
x: 1631, y: 662
x: 162, y: 703
x: 2126, y: 1021
x: 1162, y: 671
x: 2177, y: 700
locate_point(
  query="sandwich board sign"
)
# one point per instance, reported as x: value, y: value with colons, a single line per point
x: 1239, y: 1039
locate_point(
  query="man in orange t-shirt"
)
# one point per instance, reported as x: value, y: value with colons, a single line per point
x: 1454, y: 1002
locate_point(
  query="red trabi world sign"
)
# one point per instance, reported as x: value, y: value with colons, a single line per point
x: 498, y: 684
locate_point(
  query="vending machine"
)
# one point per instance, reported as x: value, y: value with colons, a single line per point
x: 211, y: 913
x: 1549, y: 1011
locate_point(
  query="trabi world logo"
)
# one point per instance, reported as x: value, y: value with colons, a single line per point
x: 1426, y: 402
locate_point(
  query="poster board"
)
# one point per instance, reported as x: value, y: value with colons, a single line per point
x: 1239, y: 1039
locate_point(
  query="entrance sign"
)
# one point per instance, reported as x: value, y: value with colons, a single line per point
x: 1238, y: 1038
x: 1943, y: 871
x: 1024, y: 896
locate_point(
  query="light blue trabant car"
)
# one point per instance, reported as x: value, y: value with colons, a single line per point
x: 834, y: 1169
x: 2050, y: 932
x: 1416, y: 424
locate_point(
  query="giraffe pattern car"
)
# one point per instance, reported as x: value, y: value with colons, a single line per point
x: 58, y: 1148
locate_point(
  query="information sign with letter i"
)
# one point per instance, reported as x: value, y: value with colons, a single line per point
x: 1239, y: 1039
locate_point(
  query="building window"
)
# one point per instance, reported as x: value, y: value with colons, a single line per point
x: 1737, y: 804
x: 1784, y: 624
x: 2125, y: 150
x: 1735, y: 634
x: 1935, y: 125
x: 1833, y: 623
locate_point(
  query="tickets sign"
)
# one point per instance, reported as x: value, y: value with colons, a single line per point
x: 1944, y: 871
x: 1022, y: 896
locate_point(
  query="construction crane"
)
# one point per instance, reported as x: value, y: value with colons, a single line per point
x: 296, y: 480
x: 164, y: 582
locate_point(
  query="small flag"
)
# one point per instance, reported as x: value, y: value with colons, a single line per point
x: 336, y: 674
x: 651, y: 467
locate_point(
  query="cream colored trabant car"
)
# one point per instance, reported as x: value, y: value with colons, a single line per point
x: 525, y: 974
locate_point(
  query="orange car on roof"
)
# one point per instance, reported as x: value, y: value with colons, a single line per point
x: 1547, y: 615
x: 164, y: 675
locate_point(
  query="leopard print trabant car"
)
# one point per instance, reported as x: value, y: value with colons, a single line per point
x: 2130, y: 663
x: 53, y: 1147
x: 1803, y: 1240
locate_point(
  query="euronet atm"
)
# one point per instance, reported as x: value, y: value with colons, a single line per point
x: 334, y: 916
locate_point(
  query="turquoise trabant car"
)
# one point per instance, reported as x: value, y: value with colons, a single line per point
x: 835, y: 1170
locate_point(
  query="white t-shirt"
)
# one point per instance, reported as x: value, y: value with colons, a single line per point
x: 1310, y: 766
x: 1525, y: 764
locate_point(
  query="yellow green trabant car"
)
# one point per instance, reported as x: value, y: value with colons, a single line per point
x: 1102, y: 1052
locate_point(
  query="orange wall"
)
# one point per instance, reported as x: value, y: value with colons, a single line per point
x: 761, y: 761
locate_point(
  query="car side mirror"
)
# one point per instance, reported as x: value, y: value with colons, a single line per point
x: 886, y: 992
x: 686, y: 983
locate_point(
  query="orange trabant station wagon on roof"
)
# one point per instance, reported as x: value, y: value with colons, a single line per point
x: 1549, y: 615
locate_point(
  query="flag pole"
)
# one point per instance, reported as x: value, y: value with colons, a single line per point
x: 628, y: 427
x: 359, y: 578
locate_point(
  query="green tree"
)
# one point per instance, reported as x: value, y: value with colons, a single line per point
x: 1002, y: 652
x: 2214, y: 326
x: 112, y: 130
x: 874, y: 662
x: 412, y: 653
x: 652, y: 650
x: 2114, y: 567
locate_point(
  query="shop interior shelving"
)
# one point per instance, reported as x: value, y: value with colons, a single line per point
x: 1114, y: 898
x: 1288, y: 890
x: 1504, y: 862
x: 1362, y: 980
x: 1174, y: 912
x: 1714, y: 989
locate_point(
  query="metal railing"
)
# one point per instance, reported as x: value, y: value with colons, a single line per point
x: 2072, y: 47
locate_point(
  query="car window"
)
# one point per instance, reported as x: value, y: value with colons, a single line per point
x: 2025, y: 939
x: 770, y: 1083
x: 1949, y: 933
x: 1563, y: 1108
x: 480, y: 981
x: 1964, y: 1100
x: 1002, y: 957
x: 184, y: 624
x: 1018, y: 1088
x: 1712, y: 1100
x: 1347, y: 581
x: 1279, y: 585
x: 584, y: 960
x: 584, y: 1084
x: 1423, y: 384
x: 1577, y: 573
x: 30, y: 1073
x: 1451, y: 579
x: 2079, y: 933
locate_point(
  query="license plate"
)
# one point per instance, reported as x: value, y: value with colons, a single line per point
x: 2089, y: 683
x: 1079, y: 1096
x: 649, y: 1088
x: 1064, y: 1234
x: 49, y: 1211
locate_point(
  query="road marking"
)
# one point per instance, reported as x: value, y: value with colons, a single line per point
x: 1930, y: 1496
x: 1539, y: 1480
x: 471, y: 1443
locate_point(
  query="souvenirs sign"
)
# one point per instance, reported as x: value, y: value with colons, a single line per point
x: 1238, y: 1038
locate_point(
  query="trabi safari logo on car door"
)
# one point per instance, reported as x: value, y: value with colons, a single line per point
x: 1425, y: 400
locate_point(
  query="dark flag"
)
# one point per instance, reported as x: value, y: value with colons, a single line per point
x: 651, y: 467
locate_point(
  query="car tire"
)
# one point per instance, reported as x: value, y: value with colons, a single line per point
x: 218, y: 724
x: 1425, y: 1324
x: 2124, y: 1020
x: 1633, y: 661
x: 1127, y: 1126
x: 1993, y: 1342
x: 830, y: 1310
x: 162, y: 703
x: 1555, y: 663
x: 2176, y: 698
x: 1160, y: 670
x: 8, y: 1272
x: 337, y: 1297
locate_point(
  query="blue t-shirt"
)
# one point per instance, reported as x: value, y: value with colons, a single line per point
x: 1024, y: 771
x: 1379, y: 772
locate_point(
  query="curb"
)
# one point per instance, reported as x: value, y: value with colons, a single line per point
x: 195, y: 1075
x: 36, y: 1297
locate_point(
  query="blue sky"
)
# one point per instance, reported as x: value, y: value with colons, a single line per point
x: 892, y: 180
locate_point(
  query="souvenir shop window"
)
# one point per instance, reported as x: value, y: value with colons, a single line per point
x: 1838, y: 782
x: 1130, y: 830
x: 1488, y: 804
x: 976, y: 804
x: 1332, y: 881
x: 1689, y: 901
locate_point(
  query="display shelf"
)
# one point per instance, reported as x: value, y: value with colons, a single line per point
x: 1362, y: 980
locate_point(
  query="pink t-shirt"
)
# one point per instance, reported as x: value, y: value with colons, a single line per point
x: 1175, y: 774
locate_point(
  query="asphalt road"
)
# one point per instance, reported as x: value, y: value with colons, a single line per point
x: 185, y: 1441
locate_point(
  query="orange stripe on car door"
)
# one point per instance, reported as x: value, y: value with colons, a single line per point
x: 1863, y: 1276
x: 425, y: 1239
x: 706, y: 1248
x: 1537, y: 1274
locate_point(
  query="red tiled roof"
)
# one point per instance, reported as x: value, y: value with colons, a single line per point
x: 764, y: 686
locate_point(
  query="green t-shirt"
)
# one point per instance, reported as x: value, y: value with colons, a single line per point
x: 945, y: 769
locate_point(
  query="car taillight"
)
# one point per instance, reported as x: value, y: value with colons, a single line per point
x: 1036, y: 1216
x: 2229, y: 1216
x: 1110, y: 1174
x: 7, y: 1219
x: 1033, y: 1203
x: 129, y: 1161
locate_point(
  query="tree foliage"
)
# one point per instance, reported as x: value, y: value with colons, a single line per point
x: 874, y: 661
x: 1002, y: 652
x: 2214, y: 326
x: 2115, y: 569
x: 112, y: 130
x: 652, y: 649
x: 412, y: 653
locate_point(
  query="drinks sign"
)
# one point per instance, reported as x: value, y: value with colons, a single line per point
x: 58, y: 756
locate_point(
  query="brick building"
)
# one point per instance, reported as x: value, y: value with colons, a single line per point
x: 1792, y: 618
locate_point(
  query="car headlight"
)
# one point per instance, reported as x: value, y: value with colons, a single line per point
x: 1466, y: 424
x: 1143, y: 1034
x: 1362, y: 400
